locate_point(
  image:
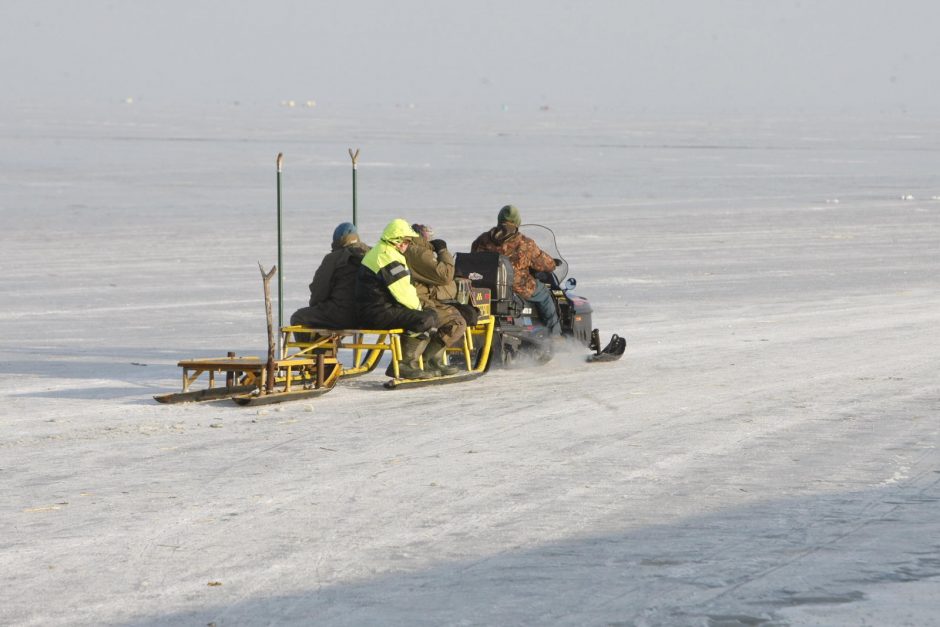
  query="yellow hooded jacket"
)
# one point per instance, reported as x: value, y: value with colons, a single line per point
x: 390, y: 266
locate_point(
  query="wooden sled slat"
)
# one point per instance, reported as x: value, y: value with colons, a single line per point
x: 208, y: 394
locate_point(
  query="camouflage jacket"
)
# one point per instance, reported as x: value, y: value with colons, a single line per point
x: 524, y: 254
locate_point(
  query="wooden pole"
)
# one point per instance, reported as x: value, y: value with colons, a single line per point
x: 266, y: 277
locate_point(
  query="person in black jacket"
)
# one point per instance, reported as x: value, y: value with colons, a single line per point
x: 332, y: 302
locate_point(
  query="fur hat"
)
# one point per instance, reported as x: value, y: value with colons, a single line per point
x: 509, y: 213
x: 423, y: 230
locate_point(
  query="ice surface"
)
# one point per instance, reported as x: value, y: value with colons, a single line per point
x: 764, y: 454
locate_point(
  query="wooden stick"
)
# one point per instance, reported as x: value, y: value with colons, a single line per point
x: 266, y: 277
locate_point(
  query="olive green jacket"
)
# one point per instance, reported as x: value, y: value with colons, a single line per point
x: 432, y: 273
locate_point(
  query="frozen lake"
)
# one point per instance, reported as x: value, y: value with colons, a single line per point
x: 764, y: 454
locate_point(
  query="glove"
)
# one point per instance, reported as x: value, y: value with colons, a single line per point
x: 558, y: 262
x: 438, y: 245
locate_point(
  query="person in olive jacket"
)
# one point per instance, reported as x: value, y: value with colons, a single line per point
x: 332, y: 302
x: 432, y: 273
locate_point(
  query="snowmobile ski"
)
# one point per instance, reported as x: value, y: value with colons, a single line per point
x: 612, y: 352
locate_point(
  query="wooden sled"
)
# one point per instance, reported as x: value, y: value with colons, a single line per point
x: 247, y: 378
x: 242, y: 375
x: 295, y: 378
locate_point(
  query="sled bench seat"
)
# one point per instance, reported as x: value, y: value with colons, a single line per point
x: 368, y: 345
x: 244, y: 370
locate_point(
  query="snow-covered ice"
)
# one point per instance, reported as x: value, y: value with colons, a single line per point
x: 764, y: 454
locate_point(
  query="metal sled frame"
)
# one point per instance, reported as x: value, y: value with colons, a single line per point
x: 365, y: 353
x: 477, y: 339
x: 368, y: 346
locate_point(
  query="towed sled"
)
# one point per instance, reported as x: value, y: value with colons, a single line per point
x: 314, y: 360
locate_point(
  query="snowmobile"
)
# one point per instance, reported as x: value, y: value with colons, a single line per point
x: 520, y: 335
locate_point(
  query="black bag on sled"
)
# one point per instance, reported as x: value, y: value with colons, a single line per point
x: 497, y: 273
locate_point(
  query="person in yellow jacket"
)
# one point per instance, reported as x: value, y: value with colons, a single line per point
x: 387, y: 299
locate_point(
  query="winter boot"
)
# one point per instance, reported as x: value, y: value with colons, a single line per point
x: 434, y: 358
x: 408, y: 368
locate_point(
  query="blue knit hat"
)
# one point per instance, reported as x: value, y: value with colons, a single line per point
x: 343, y: 230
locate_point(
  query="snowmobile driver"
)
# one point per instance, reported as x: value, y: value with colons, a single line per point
x: 525, y: 255
x: 432, y: 273
x: 388, y: 300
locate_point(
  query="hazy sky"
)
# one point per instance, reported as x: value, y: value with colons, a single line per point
x: 678, y: 55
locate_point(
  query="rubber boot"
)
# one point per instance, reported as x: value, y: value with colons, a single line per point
x: 434, y: 358
x: 408, y: 368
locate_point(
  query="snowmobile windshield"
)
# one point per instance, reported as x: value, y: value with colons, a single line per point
x: 545, y: 238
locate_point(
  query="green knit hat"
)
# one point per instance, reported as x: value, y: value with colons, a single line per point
x: 510, y: 213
